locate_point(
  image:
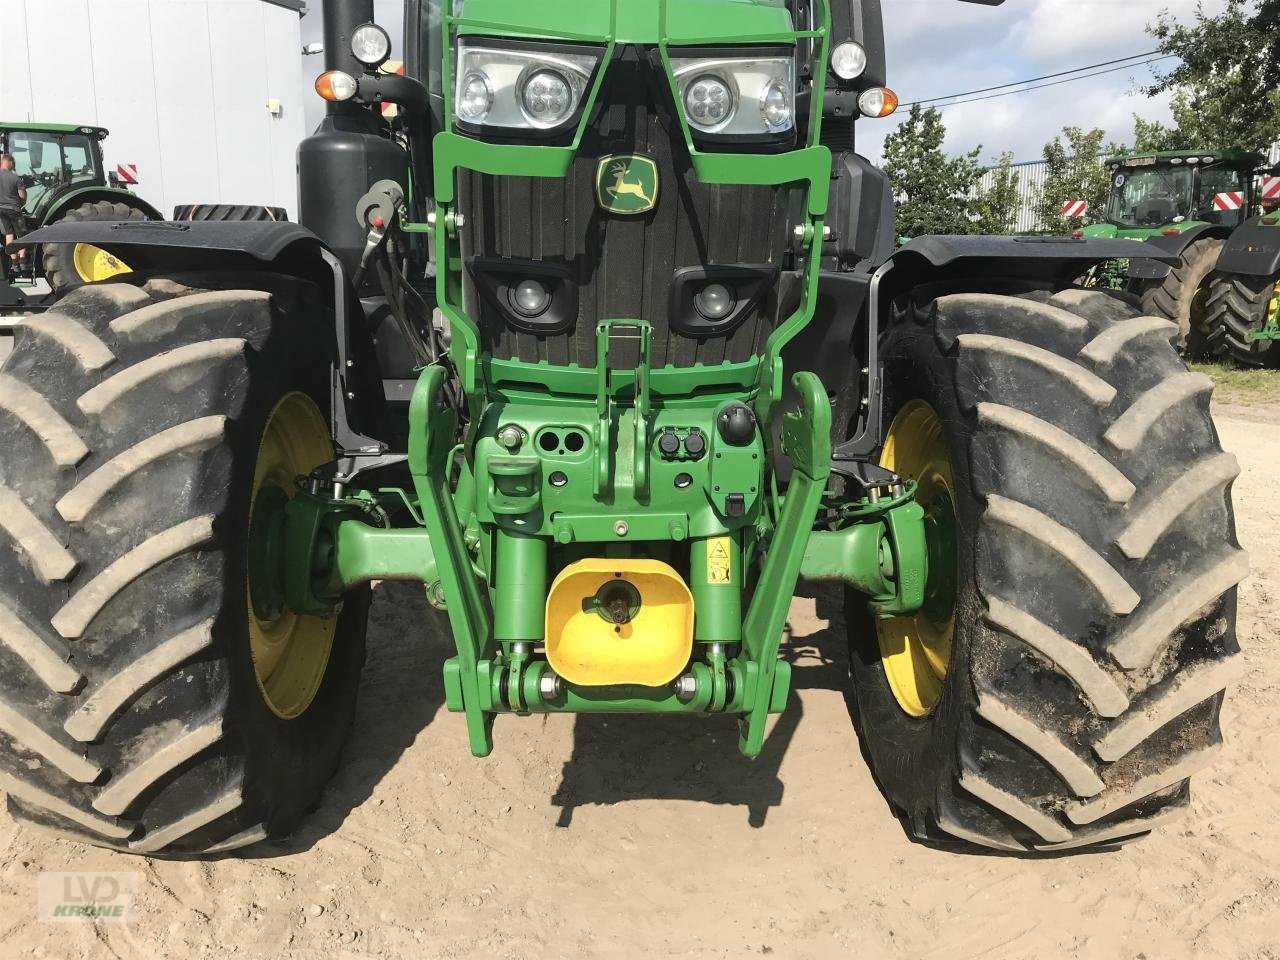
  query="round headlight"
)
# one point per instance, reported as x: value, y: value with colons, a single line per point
x: 530, y: 298
x: 714, y: 301
x: 708, y: 102
x: 475, y: 98
x: 848, y: 60
x: 547, y: 98
x: 775, y: 104
x: 370, y: 45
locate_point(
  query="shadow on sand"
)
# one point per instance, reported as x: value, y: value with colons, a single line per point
x: 620, y: 758
x: 401, y: 691
x: 615, y: 758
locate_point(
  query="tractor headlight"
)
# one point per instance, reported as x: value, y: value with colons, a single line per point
x: 370, y: 44
x: 520, y: 87
x: 709, y: 102
x: 475, y: 98
x: 849, y: 60
x: 737, y: 97
x: 777, y: 106
x: 547, y: 97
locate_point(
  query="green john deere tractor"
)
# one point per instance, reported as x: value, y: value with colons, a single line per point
x: 604, y: 341
x: 1186, y: 203
x: 1244, y: 300
x: 61, y: 166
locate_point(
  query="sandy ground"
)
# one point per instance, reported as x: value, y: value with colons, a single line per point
x: 584, y: 837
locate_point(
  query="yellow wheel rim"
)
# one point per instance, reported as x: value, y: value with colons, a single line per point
x: 1199, y: 310
x: 94, y: 264
x: 916, y: 650
x: 290, y: 652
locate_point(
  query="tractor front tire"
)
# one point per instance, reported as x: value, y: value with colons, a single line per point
x: 1241, y: 305
x: 71, y: 265
x: 140, y: 423
x: 1182, y: 296
x: 1077, y: 676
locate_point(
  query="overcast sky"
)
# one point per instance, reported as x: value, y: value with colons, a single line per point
x: 938, y: 47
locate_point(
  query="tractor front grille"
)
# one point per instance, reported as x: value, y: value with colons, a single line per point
x: 623, y: 266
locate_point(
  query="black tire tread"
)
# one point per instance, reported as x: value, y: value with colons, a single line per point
x: 1238, y: 306
x: 59, y: 268
x: 1171, y: 296
x: 225, y: 212
x: 1079, y: 735
x: 114, y: 688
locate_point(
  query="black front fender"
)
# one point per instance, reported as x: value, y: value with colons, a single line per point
x: 1253, y: 250
x: 247, y: 247
x: 1146, y: 268
x: 972, y: 261
x: 931, y: 267
x: 164, y: 247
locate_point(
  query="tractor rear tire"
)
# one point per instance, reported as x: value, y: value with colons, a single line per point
x: 1238, y: 306
x: 225, y: 212
x: 132, y: 712
x: 62, y: 266
x: 1094, y: 613
x: 1181, y: 296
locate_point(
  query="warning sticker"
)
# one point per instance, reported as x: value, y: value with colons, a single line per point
x: 719, y: 560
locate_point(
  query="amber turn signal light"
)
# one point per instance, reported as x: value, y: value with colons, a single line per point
x: 336, y: 86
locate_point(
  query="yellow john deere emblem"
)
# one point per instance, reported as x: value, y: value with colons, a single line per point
x: 627, y: 185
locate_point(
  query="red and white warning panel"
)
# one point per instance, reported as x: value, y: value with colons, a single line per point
x: 127, y: 172
x: 1232, y: 200
x: 1075, y: 208
x: 394, y: 68
x: 1271, y: 188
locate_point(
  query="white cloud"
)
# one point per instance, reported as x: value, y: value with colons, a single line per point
x: 1055, y: 30
x: 936, y: 47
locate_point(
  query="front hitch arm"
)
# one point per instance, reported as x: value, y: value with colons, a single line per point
x: 883, y: 553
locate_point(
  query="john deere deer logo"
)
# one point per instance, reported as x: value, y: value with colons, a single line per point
x: 627, y: 185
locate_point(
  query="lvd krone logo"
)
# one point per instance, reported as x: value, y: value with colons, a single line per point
x: 87, y: 896
x: 627, y: 185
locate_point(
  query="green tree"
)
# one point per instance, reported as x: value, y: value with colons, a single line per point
x: 1073, y: 172
x: 998, y: 202
x: 934, y: 193
x: 1150, y: 136
x: 1227, y: 85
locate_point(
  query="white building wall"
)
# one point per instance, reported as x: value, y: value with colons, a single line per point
x: 183, y: 86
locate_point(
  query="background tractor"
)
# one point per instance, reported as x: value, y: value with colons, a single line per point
x: 1187, y: 203
x: 65, y: 179
x: 603, y: 339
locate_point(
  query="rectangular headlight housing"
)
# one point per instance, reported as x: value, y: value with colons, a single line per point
x: 736, y: 95
x: 520, y: 88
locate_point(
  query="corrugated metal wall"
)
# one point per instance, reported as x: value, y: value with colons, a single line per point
x: 1031, y: 176
x: 183, y: 86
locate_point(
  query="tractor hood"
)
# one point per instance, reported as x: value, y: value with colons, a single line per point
x: 633, y: 21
